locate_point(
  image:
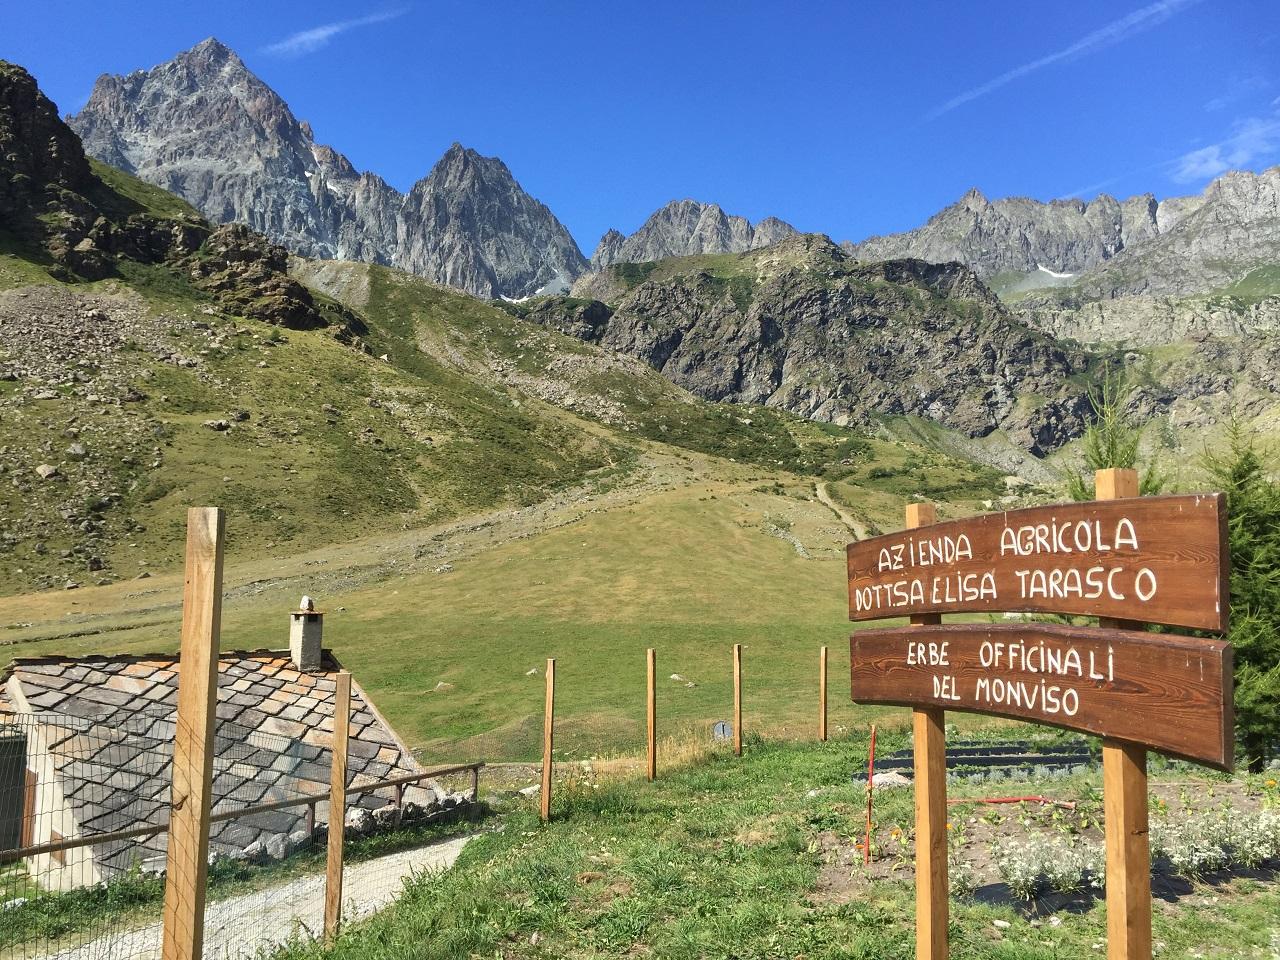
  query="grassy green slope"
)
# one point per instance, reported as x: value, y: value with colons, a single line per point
x: 313, y: 461
x: 123, y: 194
x: 472, y: 408
x: 416, y: 322
x: 758, y: 858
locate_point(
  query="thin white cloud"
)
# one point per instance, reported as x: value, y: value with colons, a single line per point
x: 316, y: 38
x: 1241, y: 88
x: 1136, y: 22
x: 1254, y: 140
x: 1087, y: 193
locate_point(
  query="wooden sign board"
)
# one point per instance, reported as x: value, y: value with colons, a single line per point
x: 1171, y: 693
x: 1125, y: 559
x: 1154, y: 559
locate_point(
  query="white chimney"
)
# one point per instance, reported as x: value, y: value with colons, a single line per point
x: 306, y: 631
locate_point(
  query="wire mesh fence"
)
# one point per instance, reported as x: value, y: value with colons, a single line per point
x: 75, y: 795
x: 84, y: 813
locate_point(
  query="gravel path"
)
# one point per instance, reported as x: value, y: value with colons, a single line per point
x: 858, y: 528
x: 254, y: 923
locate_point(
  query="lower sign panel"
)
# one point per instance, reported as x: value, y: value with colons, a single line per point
x: 1166, y: 692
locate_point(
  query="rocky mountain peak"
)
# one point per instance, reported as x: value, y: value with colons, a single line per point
x: 461, y: 165
x: 607, y: 249
x: 1200, y: 244
x: 211, y: 55
x: 206, y: 128
x: 684, y: 228
x: 457, y: 153
x: 52, y: 200
x: 1019, y: 235
x: 469, y: 224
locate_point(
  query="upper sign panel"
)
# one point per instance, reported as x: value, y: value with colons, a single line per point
x: 1155, y: 559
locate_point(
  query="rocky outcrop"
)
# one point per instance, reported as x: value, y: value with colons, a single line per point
x: 42, y: 159
x: 1020, y: 235
x: 1230, y: 231
x: 469, y: 225
x: 1143, y: 321
x: 205, y: 127
x: 686, y: 227
x: 248, y: 275
x: 803, y: 326
x: 50, y: 198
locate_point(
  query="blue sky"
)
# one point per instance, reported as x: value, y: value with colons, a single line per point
x: 846, y: 118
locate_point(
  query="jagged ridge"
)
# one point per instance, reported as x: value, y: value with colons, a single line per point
x: 206, y: 128
x: 803, y: 326
x: 686, y: 227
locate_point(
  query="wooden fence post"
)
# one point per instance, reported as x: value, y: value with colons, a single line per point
x: 1124, y: 799
x: 337, y: 805
x: 737, y: 699
x: 548, y: 723
x: 822, y: 694
x: 871, y: 788
x: 187, y: 860
x: 930, y: 747
x: 651, y: 712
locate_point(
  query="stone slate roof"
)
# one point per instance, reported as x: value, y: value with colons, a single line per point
x: 108, y: 724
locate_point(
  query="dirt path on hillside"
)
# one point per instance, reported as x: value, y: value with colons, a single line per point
x: 340, y: 568
x: 856, y: 526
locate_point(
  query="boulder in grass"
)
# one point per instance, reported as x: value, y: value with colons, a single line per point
x: 255, y: 852
x: 386, y: 816
x: 360, y: 822
x: 278, y: 846
x: 298, y: 840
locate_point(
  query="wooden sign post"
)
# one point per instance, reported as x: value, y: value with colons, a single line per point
x: 928, y: 726
x: 1124, y: 794
x: 1125, y: 559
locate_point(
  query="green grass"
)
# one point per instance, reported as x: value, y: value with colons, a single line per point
x: 725, y: 859
x: 1256, y: 285
x: 594, y: 594
x: 126, y: 194
x: 20, y: 265
x: 906, y: 471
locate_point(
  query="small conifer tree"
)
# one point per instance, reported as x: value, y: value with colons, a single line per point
x: 1112, y: 440
x: 1253, y: 505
